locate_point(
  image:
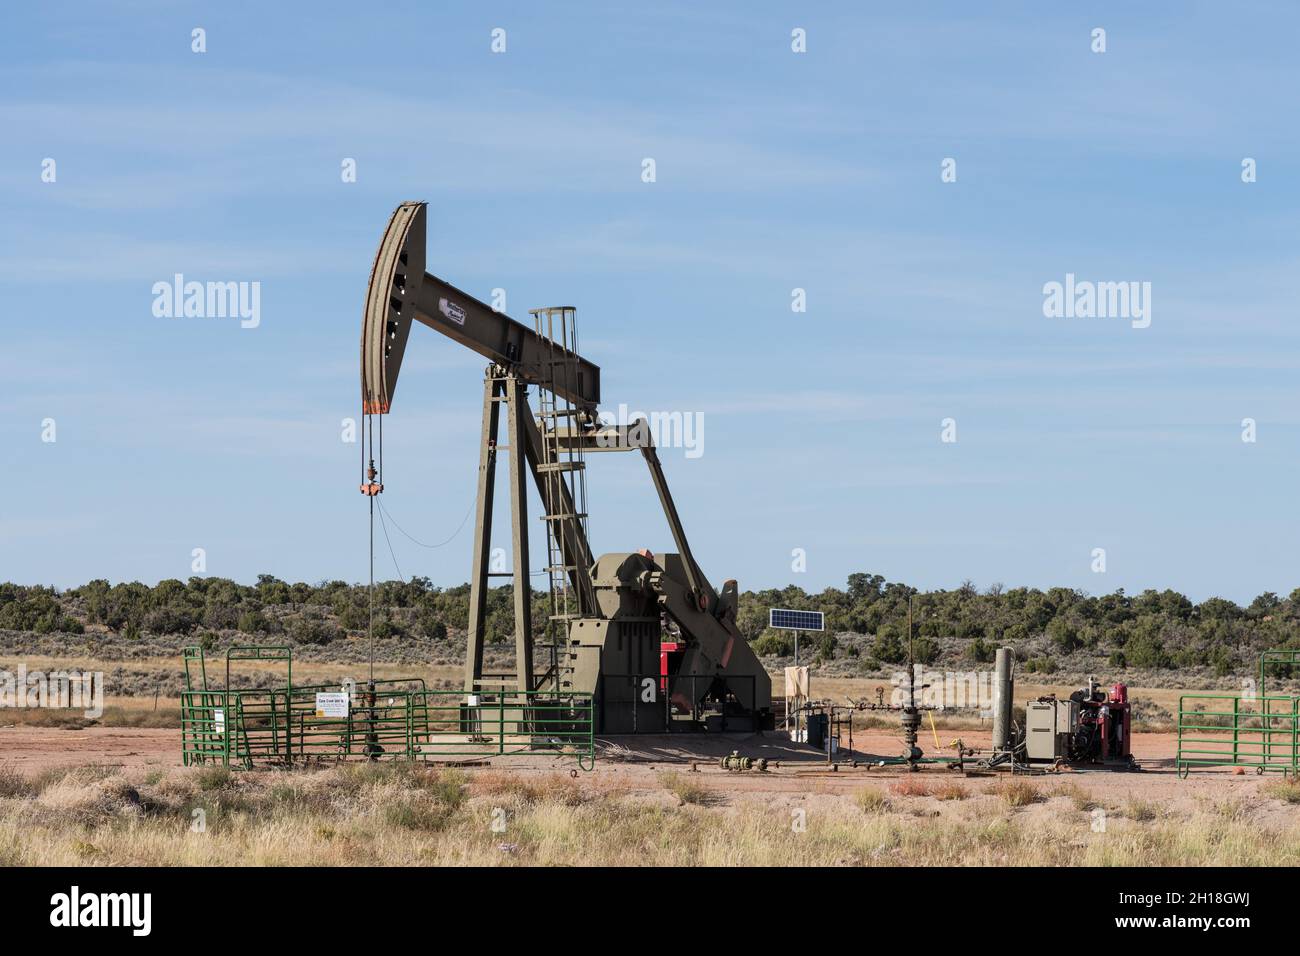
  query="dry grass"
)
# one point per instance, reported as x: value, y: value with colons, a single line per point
x: 13, y: 784
x: 1016, y: 793
x: 1076, y: 794
x: 950, y: 790
x: 872, y: 800
x: 395, y: 814
x: 114, y: 715
x: 529, y: 788
x: 911, y: 786
x: 1233, y: 810
x: 1288, y: 791
x: 688, y: 790
x: 1140, y: 810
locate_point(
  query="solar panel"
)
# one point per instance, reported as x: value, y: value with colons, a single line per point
x: 787, y: 620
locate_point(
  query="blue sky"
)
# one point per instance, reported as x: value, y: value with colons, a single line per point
x: 775, y: 170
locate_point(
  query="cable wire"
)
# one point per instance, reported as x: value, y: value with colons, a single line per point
x: 400, y: 576
x: 384, y: 513
x: 440, y: 544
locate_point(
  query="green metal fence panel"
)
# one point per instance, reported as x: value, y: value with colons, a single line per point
x: 191, y: 655
x: 1276, y: 660
x: 262, y: 652
x: 506, y: 723
x: 202, y: 727
x: 397, y: 718
x: 1229, y: 730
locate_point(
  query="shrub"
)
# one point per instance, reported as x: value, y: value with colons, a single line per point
x: 311, y: 630
x: 430, y: 625
x: 774, y: 644
x: 221, y: 617
x: 924, y: 650
x: 1222, y: 660
x: 385, y: 628
x: 1063, y: 635
x: 252, y: 622
x: 887, y: 647
x: 1146, y: 651
x: 169, y: 620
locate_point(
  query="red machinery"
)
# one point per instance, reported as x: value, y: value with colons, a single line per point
x: 1105, y: 724
x: 666, y: 651
x: 1091, y: 727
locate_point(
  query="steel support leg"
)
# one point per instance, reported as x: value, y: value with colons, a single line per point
x: 482, y: 534
x: 517, y: 409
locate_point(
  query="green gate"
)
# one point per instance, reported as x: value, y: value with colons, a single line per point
x: 384, y: 719
x: 1228, y: 730
x: 1282, y: 660
x: 1235, y: 730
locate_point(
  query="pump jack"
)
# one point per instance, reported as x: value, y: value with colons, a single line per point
x: 608, y: 616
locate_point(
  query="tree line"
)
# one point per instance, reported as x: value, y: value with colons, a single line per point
x: 868, y: 617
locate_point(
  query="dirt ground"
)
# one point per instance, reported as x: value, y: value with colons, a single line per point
x: 635, y: 763
x: 33, y: 749
x: 802, y: 770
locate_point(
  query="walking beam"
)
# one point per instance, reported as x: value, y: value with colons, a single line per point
x: 401, y: 292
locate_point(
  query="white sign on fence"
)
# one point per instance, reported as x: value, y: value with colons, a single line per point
x: 332, y: 705
x: 218, y: 720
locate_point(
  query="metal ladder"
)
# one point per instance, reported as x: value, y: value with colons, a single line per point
x: 563, y: 469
